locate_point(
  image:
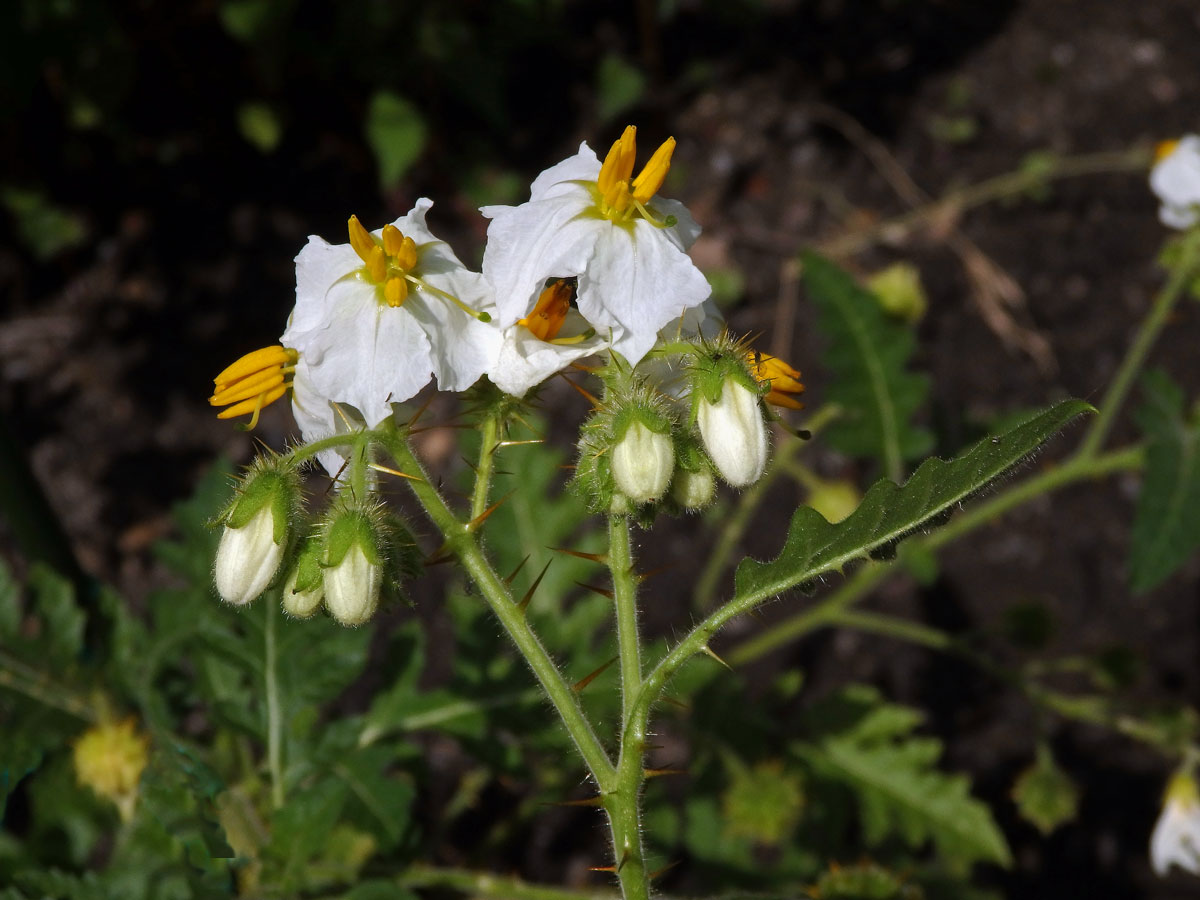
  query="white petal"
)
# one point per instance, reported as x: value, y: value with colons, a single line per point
x: 536, y: 241
x: 685, y: 230
x: 1176, y: 839
x: 320, y: 266
x: 583, y: 166
x: 640, y: 280
x: 1176, y: 181
x: 525, y: 361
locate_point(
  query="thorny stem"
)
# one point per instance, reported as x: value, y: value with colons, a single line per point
x: 466, y: 548
x: 1181, y: 276
x: 620, y: 564
x: 623, y: 804
x: 483, y: 471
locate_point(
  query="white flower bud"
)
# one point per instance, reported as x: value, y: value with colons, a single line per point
x: 301, y: 602
x: 734, y: 433
x: 1175, y: 178
x: 693, y: 490
x: 1177, y: 831
x: 248, y: 558
x: 642, y: 463
x: 352, y: 588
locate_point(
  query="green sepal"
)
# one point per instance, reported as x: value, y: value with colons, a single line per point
x: 348, y: 527
x: 308, y: 564
x: 269, y: 481
x: 721, y: 360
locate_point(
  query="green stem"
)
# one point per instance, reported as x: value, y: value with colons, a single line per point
x: 461, y: 541
x: 483, y: 471
x: 1182, y: 275
x: 483, y: 884
x: 1092, y: 710
x: 623, y: 804
x: 23, y: 679
x: 1010, y: 184
x: 274, y: 717
x: 620, y: 564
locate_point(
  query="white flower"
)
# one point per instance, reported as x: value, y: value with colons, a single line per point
x: 734, y: 433
x: 1175, y: 178
x: 375, y: 318
x: 1176, y: 838
x: 546, y: 341
x: 626, y: 246
x: 248, y: 558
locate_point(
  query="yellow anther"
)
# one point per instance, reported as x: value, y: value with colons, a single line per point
x: 377, y: 264
x: 1164, y: 149
x: 254, y: 405
x: 648, y: 183
x: 392, y: 239
x: 254, y: 382
x: 783, y: 379
x: 395, y: 291
x: 252, y: 386
x: 361, y: 240
x: 618, y: 165
x: 406, y: 255
x: 617, y: 199
x: 265, y: 358
x: 546, y: 320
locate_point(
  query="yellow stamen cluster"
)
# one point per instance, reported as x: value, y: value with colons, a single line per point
x: 548, y: 315
x: 1164, y: 149
x: 783, y: 380
x: 254, y: 382
x: 619, y: 193
x: 109, y: 759
x: 388, y: 260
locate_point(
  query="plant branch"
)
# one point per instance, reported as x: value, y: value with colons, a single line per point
x: 274, y: 719
x: 483, y: 471
x: 461, y: 541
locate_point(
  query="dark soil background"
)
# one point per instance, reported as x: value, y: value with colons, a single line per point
x: 122, y: 117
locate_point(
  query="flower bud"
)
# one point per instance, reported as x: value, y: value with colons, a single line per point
x: 352, y: 565
x: 899, y: 292
x: 256, y: 532
x: 305, y: 586
x: 693, y: 490
x: 734, y: 433
x: 1177, y: 830
x: 642, y: 463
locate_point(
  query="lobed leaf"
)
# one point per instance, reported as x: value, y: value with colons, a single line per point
x: 894, y: 776
x: 890, y: 512
x: 867, y: 356
x: 1166, y: 524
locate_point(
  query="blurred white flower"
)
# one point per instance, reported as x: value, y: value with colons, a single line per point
x: 1175, y: 178
x: 1176, y: 838
x: 597, y: 223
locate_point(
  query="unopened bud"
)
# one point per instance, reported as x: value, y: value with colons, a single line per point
x: 305, y: 586
x: 642, y: 463
x: 899, y: 292
x: 734, y: 433
x: 256, y: 532
x: 352, y: 566
x: 693, y: 490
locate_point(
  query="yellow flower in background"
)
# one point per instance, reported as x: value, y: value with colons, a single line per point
x: 109, y: 758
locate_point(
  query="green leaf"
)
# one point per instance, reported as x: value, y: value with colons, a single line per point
x: 1045, y: 795
x: 893, y: 774
x: 1166, y: 524
x: 889, y: 513
x: 397, y: 134
x: 62, y: 621
x: 867, y: 356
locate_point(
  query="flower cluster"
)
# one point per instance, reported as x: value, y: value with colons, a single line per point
x: 593, y: 265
